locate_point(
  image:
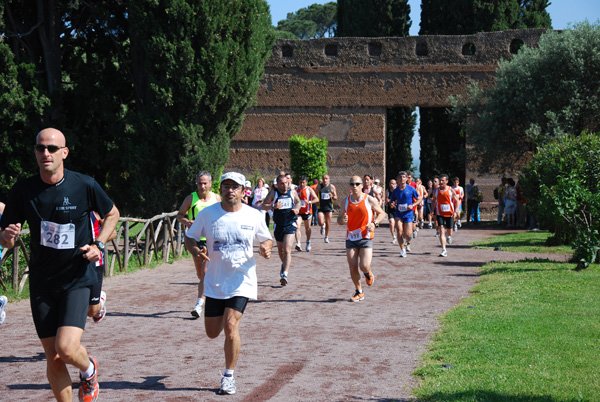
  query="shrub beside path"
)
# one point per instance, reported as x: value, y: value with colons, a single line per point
x: 303, y: 342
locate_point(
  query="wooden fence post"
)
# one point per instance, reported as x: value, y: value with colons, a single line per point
x: 15, y: 268
x: 126, y: 246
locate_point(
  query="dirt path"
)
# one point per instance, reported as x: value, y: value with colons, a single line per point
x: 304, y: 342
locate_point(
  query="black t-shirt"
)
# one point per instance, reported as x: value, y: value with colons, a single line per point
x: 67, y: 203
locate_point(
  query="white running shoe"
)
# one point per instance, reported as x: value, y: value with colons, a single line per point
x: 395, y: 240
x: 444, y: 253
x: 308, y: 245
x: 408, y: 247
x: 437, y: 233
x: 227, y: 386
x: 100, y: 316
x: 403, y: 253
x: 414, y: 234
x: 3, y: 302
x: 298, y: 247
x: 197, y: 310
x: 455, y: 228
x: 449, y: 239
x: 323, y: 230
x: 283, y: 278
x: 326, y: 239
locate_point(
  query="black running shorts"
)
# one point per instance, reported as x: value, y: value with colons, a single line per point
x: 216, y: 307
x: 445, y: 221
x: 51, y: 311
x: 281, y: 231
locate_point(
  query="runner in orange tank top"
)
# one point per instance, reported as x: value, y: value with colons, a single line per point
x: 307, y: 197
x: 445, y: 205
x: 356, y: 212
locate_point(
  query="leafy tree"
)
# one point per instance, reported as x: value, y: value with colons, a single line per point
x: 543, y: 94
x: 314, y: 21
x: 562, y: 186
x: 442, y: 142
x: 308, y: 157
x: 21, y: 108
x: 147, y: 92
x: 368, y: 18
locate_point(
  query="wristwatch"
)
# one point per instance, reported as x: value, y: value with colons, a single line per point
x: 100, y: 245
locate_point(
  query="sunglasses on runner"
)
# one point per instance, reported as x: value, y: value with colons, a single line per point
x: 51, y: 148
x: 355, y: 184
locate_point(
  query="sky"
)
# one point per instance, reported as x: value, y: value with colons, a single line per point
x: 562, y: 12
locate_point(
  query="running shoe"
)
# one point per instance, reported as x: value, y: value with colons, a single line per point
x: 449, y: 239
x: 403, y: 253
x: 414, y: 234
x: 430, y: 225
x: 100, y: 316
x: 455, y: 227
x: 370, y: 278
x: 394, y: 240
x: 459, y: 224
x: 89, y: 389
x: 3, y: 302
x: 227, y: 386
x: 444, y: 253
x: 358, y: 296
x: 326, y: 239
x: 298, y: 247
x: 437, y: 233
x: 284, y: 279
x: 197, y: 311
x: 308, y: 245
x: 408, y: 247
x: 323, y: 230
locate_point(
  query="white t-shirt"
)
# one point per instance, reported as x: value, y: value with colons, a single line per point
x: 230, y: 236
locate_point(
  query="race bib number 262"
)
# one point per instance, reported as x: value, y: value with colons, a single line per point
x: 57, y: 236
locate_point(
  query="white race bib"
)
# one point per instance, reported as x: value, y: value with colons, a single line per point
x: 325, y: 196
x: 402, y: 207
x: 302, y: 203
x: 286, y: 203
x: 57, y: 236
x: 445, y: 207
x: 355, y: 235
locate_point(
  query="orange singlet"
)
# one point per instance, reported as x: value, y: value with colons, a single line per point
x: 359, y: 215
x: 304, y: 196
x: 445, y: 203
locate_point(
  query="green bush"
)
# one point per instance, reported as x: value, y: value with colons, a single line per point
x: 562, y: 183
x: 308, y: 157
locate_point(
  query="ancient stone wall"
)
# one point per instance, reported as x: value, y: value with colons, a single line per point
x: 340, y: 88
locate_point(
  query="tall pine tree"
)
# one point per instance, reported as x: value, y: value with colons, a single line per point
x: 442, y: 142
x: 373, y: 18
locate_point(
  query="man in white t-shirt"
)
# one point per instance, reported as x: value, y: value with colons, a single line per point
x: 230, y: 228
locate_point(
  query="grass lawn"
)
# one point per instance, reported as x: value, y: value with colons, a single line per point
x: 527, y: 242
x: 530, y: 331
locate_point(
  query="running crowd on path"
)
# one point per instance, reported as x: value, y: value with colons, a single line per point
x: 70, y: 218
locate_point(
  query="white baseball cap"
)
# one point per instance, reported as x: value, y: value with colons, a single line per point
x: 236, y: 177
x: 248, y: 184
x: 376, y: 180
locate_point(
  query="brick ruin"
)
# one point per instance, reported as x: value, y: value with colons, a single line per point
x: 339, y: 88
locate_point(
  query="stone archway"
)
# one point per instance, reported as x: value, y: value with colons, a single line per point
x: 340, y: 88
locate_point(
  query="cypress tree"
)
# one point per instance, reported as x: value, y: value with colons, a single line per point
x: 373, y: 18
x: 442, y: 142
